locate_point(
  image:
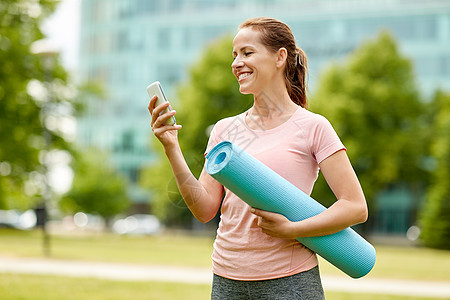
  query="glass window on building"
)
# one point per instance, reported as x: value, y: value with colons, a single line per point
x: 403, y: 27
x: 188, y: 38
x: 313, y: 32
x: 148, y: 6
x: 112, y: 10
x: 175, y: 5
x: 358, y: 29
x: 93, y: 45
x: 164, y: 38
x: 444, y: 66
x: 135, y: 40
x: 99, y: 44
x: 205, y: 4
x: 87, y: 137
x: 122, y: 40
x: 124, y: 9
x: 121, y: 73
x: 426, y: 27
x: 98, y: 13
x: 104, y: 44
x: 100, y: 73
x: 212, y: 32
x: 413, y: 27
x: 128, y: 141
x: 168, y: 74
x: 427, y: 65
x: 133, y: 174
x: 447, y: 20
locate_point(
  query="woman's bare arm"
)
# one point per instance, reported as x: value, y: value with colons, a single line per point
x: 202, y: 196
x: 349, y: 209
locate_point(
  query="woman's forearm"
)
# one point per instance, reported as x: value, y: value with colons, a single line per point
x: 342, y: 214
x: 201, y: 203
x: 349, y: 209
x: 339, y: 216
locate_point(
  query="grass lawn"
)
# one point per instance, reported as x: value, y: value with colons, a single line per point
x: 190, y: 251
x: 413, y: 263
x: 193, y: 251
x: 174, y: 250
x: 37, y: 287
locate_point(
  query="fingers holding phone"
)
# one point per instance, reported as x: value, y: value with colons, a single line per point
x: 155, y: 89
x: 163, y: 117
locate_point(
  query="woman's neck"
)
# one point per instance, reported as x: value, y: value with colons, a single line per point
x: 270, y: 109
x: 271, y: 103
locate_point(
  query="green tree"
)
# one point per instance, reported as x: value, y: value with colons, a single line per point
x: 210, y: 94
x: 372, y: 101
x: 97, y: 187
x: 24, y: 111
x: 435, y: 219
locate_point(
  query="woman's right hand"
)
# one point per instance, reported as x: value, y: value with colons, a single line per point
x: 166, y: 134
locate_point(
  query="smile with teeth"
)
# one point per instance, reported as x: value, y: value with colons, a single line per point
x: 244, y: 75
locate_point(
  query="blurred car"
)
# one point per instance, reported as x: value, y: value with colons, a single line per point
x: 88, y: 221
x: 19, y: 220
x: 139, y: 224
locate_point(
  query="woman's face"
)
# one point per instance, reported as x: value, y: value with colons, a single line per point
x: 254, y: 65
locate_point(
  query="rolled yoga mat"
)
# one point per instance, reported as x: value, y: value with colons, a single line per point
x: 262, y: 188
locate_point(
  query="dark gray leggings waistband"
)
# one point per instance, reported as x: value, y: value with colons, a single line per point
x: 305, y: 285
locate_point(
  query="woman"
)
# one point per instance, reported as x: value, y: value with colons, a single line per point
x: 255, y: 252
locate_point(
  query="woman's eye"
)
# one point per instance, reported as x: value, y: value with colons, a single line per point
x: 245, y: 54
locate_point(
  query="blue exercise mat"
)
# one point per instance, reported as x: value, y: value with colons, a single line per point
x: 262, y: 188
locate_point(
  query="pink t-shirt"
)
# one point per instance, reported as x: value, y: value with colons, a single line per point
x: 294, y: 150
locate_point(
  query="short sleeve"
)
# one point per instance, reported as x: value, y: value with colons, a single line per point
x: 213, y: 140
x: 325, y: 140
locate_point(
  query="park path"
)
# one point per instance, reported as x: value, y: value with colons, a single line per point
x: 133, y: 272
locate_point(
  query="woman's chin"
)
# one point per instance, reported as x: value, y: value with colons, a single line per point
x: 245, y: 90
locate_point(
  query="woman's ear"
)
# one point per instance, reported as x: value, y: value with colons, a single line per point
x: 281, y: 57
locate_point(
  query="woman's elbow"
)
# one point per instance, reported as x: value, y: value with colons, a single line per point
x: 364, y: 216
x: 205, y: 219
x: 362, y: 212
x: 206, y: 215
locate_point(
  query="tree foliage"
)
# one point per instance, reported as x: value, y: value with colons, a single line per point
x: 435, y: 219
x: 97, y: 187
x: 210, y: 94
x: 372, y: 101
x: 30, y: 84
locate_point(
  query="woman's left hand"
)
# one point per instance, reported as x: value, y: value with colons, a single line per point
x: 349, y: 209
x: 274, y: 224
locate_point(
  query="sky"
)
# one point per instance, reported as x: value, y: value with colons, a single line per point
x: 62, y: 31
x: 62, y: 34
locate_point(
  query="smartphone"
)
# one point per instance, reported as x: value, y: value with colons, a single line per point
x: 156, y: 89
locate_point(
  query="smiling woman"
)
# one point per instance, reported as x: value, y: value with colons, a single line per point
x: 256, y: 252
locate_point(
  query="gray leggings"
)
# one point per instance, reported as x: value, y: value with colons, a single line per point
x: 305, y: 285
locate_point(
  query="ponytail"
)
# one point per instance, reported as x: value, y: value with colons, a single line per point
x: 295, y: 77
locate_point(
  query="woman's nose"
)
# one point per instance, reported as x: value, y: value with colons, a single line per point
x: 237, y: 62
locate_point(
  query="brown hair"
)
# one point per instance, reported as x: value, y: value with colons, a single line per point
x: 275, y: 35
